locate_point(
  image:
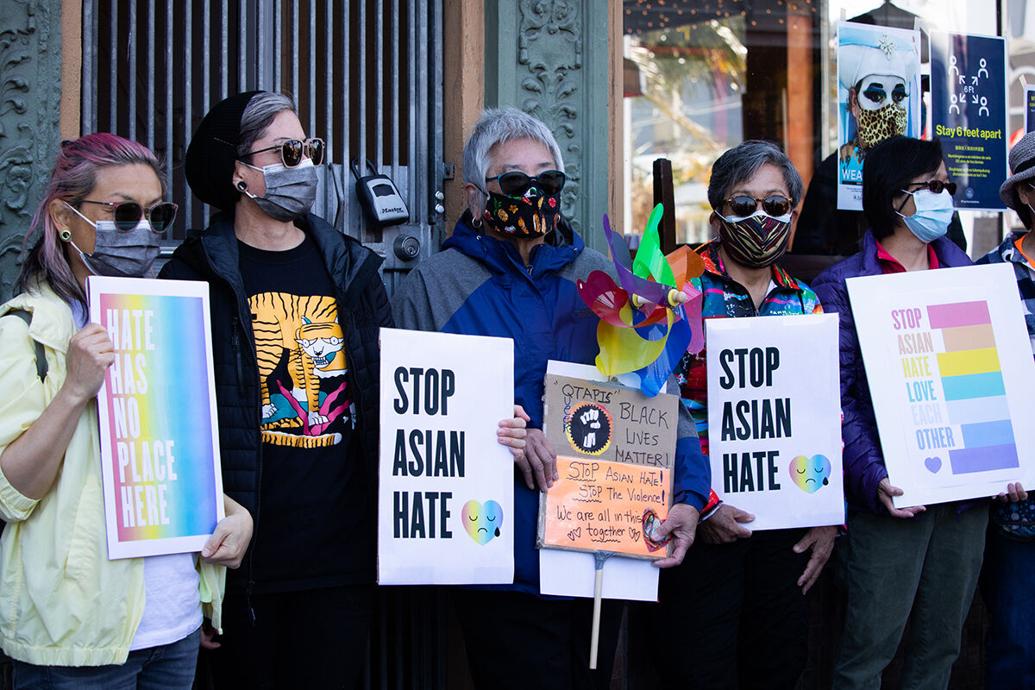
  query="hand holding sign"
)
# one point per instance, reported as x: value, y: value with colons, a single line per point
x: 726, y: 525
x: 886, y: 493
x: 681, y: 524
x: 230, y: 540
x: 512, y: 433
x: 90, y: 353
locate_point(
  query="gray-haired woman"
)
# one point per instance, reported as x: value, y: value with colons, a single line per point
x: 509, y: 270
x: 748, y: 589
x: 295, y: 310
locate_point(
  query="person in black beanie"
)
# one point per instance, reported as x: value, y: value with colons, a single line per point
x: 295, y: 310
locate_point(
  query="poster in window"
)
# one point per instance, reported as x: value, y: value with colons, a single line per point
x: 968, y: 105
x: 878, y: 94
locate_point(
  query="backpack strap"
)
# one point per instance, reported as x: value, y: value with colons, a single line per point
x: 41, y: 355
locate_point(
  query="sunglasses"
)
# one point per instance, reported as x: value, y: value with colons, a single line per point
x: 936, y: 186
x: 127, y: 214
x: 516, y: 183
x: 293, y: 150
x: 744, y: 205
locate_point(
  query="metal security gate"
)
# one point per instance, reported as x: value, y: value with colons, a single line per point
x: 365, y: 75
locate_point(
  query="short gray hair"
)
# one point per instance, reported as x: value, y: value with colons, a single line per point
x: 258, y: 115
x: 740, y: 164
x: 497, y: 125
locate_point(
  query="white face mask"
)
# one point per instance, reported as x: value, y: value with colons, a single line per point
x: 119, y: 253
x: 933, y: 214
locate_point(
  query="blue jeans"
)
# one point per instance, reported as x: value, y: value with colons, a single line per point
x: 1010, y: 596
x: 168, y: 667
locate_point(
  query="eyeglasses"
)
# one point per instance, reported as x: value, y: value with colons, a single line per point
x: 934, y: 186
x: 127, y: 214
x: 292, y: 151
x: 516, y: 183
x: 775, y: 205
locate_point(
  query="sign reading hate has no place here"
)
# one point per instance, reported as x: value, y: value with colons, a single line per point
x: 774, y: 419
x: 446, y: 485
x: 615, y: 455
x: 157, y: 411
x: 950, y: 372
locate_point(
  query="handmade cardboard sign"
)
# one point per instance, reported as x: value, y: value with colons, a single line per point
x: 616, y: 450
x: 163, y: 490
x: 572, y: 573
x: 774, y: 418
x: 950, y: 373
x: 446, y: 489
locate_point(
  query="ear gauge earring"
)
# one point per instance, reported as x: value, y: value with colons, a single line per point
x: 65, y: 235
x: 242, y: 185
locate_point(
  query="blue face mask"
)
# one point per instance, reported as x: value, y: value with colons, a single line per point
x: 932, y: 217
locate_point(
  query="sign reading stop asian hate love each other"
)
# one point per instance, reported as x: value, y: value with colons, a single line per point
x: 615, y: 455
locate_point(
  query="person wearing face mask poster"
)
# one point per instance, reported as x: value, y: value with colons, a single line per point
x: 750, y: 588
x: 1010, y: 547
x: 72, y: 618
x: 295, y: 310
x: 918, y: 563
x: 879, y: 88
x: 509, y: 270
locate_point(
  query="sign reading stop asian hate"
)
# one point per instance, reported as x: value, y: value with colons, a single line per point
x: 446, y: 486
x: 616, y: 451
x: 774, y: 427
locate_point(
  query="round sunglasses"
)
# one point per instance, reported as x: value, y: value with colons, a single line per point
x: 745, y: 205
x: 127, y: 214
x: 934, y: 186
x: 293, y: 151
x: 516, y: 183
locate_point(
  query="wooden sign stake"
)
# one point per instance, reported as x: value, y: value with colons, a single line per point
x: 598, y: 589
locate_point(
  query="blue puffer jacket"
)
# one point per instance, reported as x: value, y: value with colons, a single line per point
x: 478, y: 285
x: 863, y: 460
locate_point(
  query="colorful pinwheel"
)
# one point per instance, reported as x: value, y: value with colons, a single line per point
x: 646, y: 323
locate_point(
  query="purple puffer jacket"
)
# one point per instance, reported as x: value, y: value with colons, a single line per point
x: 863, y: 460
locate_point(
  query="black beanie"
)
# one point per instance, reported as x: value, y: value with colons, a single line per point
x: 209, y: 164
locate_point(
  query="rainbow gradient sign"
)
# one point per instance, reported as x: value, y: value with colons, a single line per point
x: 157, y: 413
x: 950, y: 370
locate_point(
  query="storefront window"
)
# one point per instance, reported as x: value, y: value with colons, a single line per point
x: 704, y: 75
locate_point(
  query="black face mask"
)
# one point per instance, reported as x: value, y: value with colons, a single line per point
x: 531, y: 215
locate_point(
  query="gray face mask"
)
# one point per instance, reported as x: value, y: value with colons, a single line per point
x: 290, y: 192
x: 120, y: 253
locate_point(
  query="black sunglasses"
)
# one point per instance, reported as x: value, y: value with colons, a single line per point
x: 936, y: 186
x: 745, y: 205
x: 293, y: 150
x: 127, y: 214
x: 516, y: 183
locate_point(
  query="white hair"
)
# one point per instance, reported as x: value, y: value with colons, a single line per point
x: 258, y: 115
x: 497, y: 125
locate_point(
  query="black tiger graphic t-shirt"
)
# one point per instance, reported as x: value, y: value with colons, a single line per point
x: 314, y: 526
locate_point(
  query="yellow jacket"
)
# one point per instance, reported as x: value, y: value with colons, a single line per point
x: 62, y: 602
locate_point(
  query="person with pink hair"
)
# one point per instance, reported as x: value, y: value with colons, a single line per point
x: 69, y: 617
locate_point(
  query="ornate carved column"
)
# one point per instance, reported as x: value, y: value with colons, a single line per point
x: 30, y: 96
x: 550, y: 58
